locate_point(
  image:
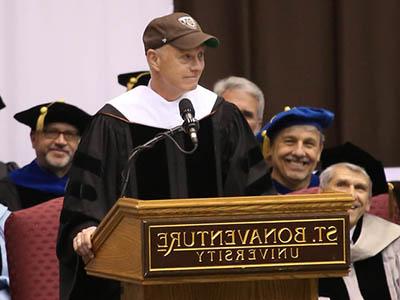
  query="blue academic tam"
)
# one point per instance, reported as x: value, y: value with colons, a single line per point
x: 302, y: 115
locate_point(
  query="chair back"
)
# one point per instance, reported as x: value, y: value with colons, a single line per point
x: 31, y: 236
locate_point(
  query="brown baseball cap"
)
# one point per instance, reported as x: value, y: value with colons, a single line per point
x: 179, y: 30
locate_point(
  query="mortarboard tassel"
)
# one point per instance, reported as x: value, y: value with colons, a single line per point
x: 266, y: 146
x: 133, y: 80
x: 393, y: 209
x: 43, y: 112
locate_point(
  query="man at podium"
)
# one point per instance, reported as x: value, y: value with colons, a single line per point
x: 226, y: 160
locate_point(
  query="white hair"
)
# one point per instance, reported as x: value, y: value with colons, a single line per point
x: 234, y: 82
x: 327, y: 175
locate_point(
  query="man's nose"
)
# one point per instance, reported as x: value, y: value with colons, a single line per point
x: 352, y: 191
x: 299, y: 149
x: 61, y: 139
x: 196, y: 64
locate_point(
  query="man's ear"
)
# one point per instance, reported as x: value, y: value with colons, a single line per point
x: 259, y: 125
x: 34, y: 138
x: 153, y: 59
x: 320, y: 152
x: 368, y: 205
x: 268, y: 156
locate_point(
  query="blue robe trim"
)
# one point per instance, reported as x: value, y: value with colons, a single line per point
x: 34, y: 177
x: 282, y: 190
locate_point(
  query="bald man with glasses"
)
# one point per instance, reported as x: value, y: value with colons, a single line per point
x: 56, y: 129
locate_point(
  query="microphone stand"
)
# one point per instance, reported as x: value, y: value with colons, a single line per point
x: 149, y: 144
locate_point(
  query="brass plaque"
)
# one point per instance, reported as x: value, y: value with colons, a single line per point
x: 254, y: 245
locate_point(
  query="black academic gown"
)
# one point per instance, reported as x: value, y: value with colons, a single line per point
x: 6, y: 168
x: 17, y: 197
x: 370, y: 276
x: 228, y: 162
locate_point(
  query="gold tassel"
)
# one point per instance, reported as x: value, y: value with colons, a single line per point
x: 133, y: 80
x: 266, y: 146
x: 393, y: 209
x: 43, y: 112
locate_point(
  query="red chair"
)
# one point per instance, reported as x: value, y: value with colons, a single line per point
x: 311, y: 190
x: 31, y: 236
x: 385, y: 207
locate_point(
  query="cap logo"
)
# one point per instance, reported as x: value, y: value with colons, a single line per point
x: 188, y: 22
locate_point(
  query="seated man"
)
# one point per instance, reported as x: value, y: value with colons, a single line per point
x: 351, y: 153
x: 375, y: 243
x: 246, y: 95
x: 385, y: 203
x: 292, y: 144
x: 56, y: 129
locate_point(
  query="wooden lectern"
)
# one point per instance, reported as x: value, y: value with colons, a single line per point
x: 264, y: 247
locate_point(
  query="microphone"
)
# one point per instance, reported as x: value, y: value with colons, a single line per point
x: 190, y: 124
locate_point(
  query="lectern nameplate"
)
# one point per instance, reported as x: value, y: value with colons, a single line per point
x: 253, y: 244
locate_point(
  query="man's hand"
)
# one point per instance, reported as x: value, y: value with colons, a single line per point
x: 83, y: 243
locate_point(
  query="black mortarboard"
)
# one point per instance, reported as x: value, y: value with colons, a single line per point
x: 2, y: 105
x: 351, y: 153
x: 40, y: 115
x: 130, y: 80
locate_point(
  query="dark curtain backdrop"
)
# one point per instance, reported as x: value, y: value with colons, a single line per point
x: 343, y: 55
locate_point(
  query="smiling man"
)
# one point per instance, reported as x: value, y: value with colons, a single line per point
x: 56, y: 129
x: 292, y: 144
x: 349, y: 178
x: 375, y: 243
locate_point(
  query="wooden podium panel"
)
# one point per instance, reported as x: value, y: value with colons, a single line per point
x: 247, y: 290
x: 223, y: 248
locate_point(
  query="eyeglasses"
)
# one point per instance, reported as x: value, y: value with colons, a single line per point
x: 53, y: 134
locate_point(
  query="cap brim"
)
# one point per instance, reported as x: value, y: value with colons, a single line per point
x: 194, y: 40
x: 57, y: 112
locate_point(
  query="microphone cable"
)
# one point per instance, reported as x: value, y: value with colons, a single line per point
x: 149, y: 144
